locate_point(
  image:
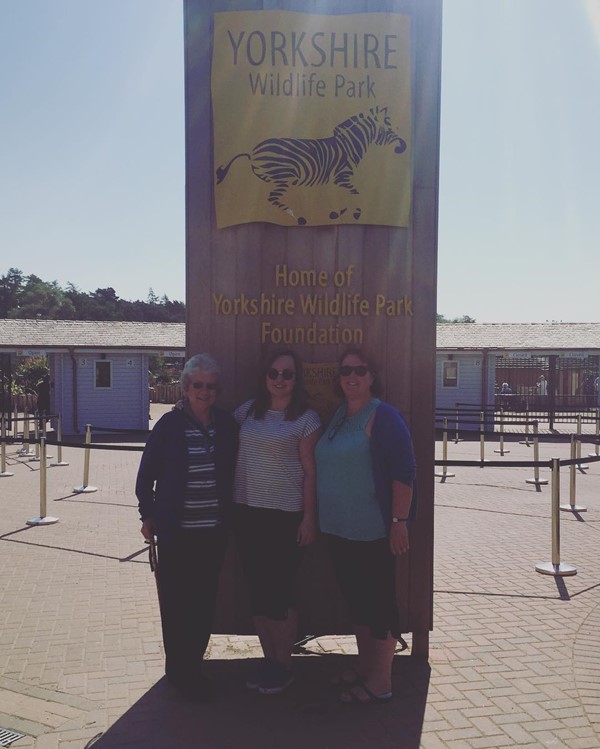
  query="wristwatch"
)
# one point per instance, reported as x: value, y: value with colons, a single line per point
x: 398, y: 520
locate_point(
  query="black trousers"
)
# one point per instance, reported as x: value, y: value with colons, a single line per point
x: 188, y: 576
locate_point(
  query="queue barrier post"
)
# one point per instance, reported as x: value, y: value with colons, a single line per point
x: 501, y: 450
x: 581, y: 467
x: 457, y: 437
x: 85, y: 488
x: 444, y: 474
x: 35, y: 458
x: 482, y: 436
x: 3, y: 472
x: 43, y: 519
x: 596, y: 453
x: 25, y: 450
x: 572, y: 506
x: 536, y: 458
x: 526, y: 440
x: 555, y: 567
x: 59, y: 461
x: 44, y: 435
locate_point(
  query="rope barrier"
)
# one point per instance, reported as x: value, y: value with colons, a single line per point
x: 121, y: 431
x: 555, y: 567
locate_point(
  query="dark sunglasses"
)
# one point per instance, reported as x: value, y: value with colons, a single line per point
x: 287, y: 374
x: 202, y: 385
x: 360, y: 371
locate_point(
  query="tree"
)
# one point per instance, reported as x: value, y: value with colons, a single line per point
x: 38, y: 298
x: 464, y: 318
x: 30, y: 297
x: 10, y: 288
x: 29, y: 373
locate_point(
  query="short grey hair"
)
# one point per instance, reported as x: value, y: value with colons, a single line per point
x: 198, y: 363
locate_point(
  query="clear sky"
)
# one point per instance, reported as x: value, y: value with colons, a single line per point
x: 92, y: 152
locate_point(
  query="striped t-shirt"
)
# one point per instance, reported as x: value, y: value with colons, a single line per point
x: 200, y: 504
x: 268, y: 471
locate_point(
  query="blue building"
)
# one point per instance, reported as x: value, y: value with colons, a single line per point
x: 98, y: 370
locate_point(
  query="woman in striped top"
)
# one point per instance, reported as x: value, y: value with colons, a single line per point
x: 184, y: 487
x: 275, y: 511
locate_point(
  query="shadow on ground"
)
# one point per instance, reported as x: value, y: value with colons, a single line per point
x: 307, y: 716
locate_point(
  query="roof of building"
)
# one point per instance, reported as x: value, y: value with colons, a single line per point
x: 61, y: 334
x: 553, y: 336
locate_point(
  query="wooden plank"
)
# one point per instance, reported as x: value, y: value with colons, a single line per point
x: 389, y: 261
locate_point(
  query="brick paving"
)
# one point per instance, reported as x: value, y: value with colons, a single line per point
x: 514, y: 659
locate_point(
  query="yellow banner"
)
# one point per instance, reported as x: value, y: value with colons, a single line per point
x: 311, y: 118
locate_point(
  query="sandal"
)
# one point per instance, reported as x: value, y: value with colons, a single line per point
x: 360, y: 694
x: 347, y: 678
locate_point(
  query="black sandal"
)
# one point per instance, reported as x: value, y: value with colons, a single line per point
x: 360, y: 694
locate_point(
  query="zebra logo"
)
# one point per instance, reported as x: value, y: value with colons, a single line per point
x: 290, y: 162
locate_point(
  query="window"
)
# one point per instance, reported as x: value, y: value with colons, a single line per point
x: 103, y: 374
x: 450, y: 374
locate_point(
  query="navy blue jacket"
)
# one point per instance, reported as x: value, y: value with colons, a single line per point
x: 393, y: 458
x: 162, y: 475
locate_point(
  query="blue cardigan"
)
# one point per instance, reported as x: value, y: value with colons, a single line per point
x: 162, y: 475
x: 392, y: 457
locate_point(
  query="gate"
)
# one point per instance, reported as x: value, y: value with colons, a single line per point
x: 548, y: 386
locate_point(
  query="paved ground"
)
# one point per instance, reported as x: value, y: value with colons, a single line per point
x: 515, y: 655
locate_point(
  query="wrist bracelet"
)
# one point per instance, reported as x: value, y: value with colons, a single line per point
x: 398, y: 520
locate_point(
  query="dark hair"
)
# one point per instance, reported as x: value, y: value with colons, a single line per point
x: 299, y: 400
x: 376, y: 388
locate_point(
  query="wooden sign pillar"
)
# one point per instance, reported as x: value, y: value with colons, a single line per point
x: 335, y: 245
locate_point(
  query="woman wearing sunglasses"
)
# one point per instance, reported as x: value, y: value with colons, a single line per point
x: 275, y: 510
x: 184, y: 487
x: 365, y: 474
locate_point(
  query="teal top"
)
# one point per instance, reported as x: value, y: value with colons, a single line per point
x: 348, y: 505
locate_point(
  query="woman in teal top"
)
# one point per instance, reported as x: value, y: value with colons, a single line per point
x: 365, y: 473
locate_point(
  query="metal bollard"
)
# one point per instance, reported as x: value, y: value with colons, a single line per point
x: 43, y: 519
x: 45, y: 436
x: 526, y: 440
x: 444, y: 474
x: 501, y: 450
x: 3, y: 472
x: 85, y: 488
x: 536, y: 457
x: 555, y: 567
x: 457, y: 437
x: 16, y: 422
x: 482, y: 436
x: 59, y: 460
x: 572, y: 506
x: 25, y: 450
x: 596, y: 452
x: 36, y: 434
x: 578, y: 446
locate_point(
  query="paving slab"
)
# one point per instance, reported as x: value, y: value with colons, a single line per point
x: 514, y: 657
